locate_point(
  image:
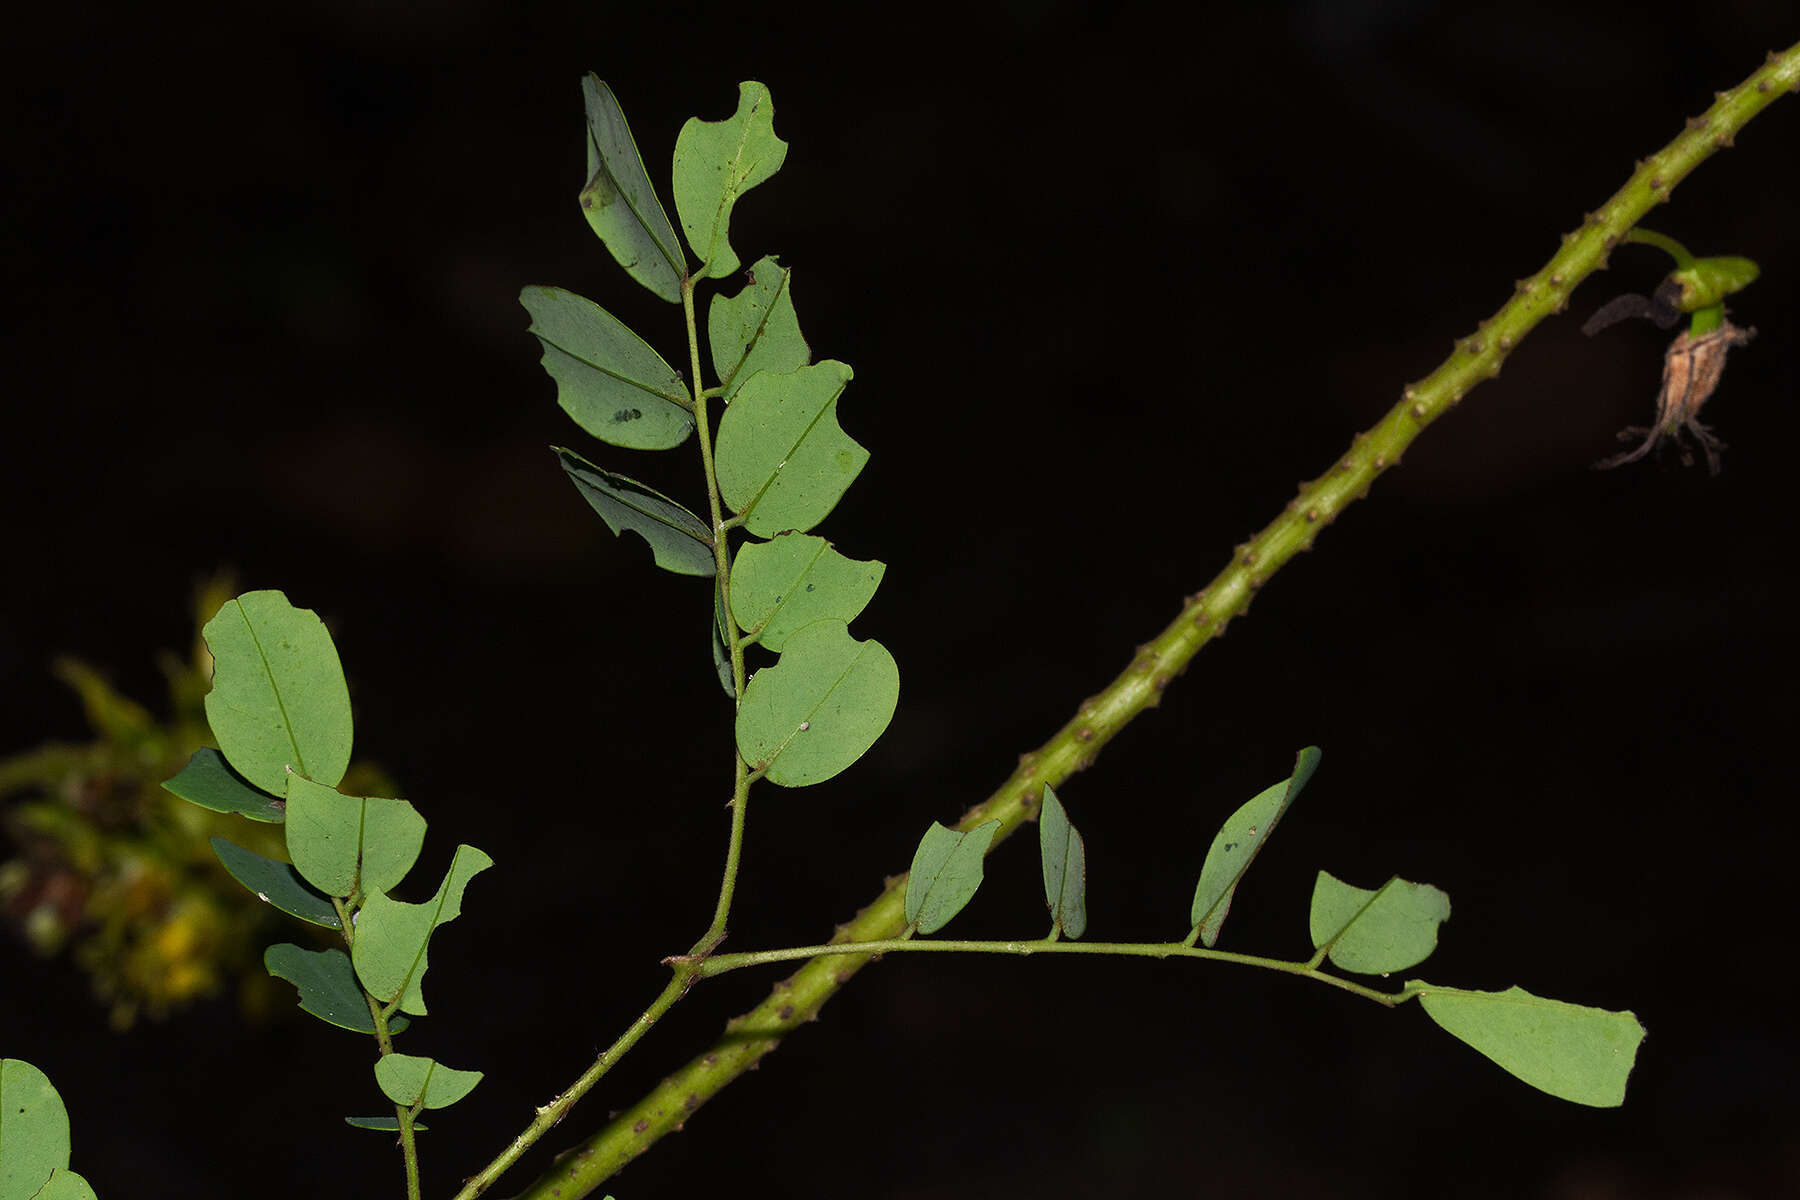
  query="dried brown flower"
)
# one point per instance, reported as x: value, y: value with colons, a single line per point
x: 1691, y: 371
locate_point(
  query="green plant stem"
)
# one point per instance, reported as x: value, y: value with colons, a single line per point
x: 685, y: 976
x: 553, y: 1112
x: 740, y: 790
x: 1684, y: 261
x: 716, y: 508
x: 721, y: 963
x: 403, y: 1114
x: 384, y: 1041
x: 1478, y: 357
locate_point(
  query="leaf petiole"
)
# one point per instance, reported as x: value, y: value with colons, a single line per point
x: 719, y: 964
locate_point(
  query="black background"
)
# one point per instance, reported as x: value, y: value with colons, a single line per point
x: 1111, y: 282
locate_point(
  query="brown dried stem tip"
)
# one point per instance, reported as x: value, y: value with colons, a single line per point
x: 1691, y: 371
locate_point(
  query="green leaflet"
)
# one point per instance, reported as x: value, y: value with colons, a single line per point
x: 1237, y: 843
x: 34, y: 1129
x: 783, y: 460
x: 715, y: 163
x: 64, y: 1184
x: 757, y: 329
x: 619, y: 202
x: 680, y: 541
x: 721, y: 652
x: 278, y: 698
x: 607, y: 378
x: 327, y: 986
x: 209, y: 781
x: 946, y: 873
x: 1065, y: 867
x: 819, y: 708
x: 347, y: 844
x: 1571, y: 1051
x: 782, y: 585
x: 277, y: 883
x: 382, y: 1124
x: 1375, y: 932
x: 410, y: 1080
x: 392, y: 937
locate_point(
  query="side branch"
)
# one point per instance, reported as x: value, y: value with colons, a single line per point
x: 1476, y: 358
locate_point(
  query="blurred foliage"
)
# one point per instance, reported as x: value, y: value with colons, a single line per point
x: 118, y: 872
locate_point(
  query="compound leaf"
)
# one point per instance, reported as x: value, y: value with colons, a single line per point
x: 783, y: 460
x: 1573, y: 1052
x: 209, y: 781
x: 1375, y: 932
x: 680, y: 541
x: 820, y: 707
x: 327, y: 986
x: 392, y: 937
x: 946, y: 872
x: 607, y: 378
x: 344, y: 844
x: 1237, y: 843
x: 278, y: 698
x: 619, y: 202
x: 409, y: 1079
x: 757, y: 329
x: 1065, y: 866
x: 785, y: 584
x: 277, y: 883
x: 715, y: 163
x: 34, y: 1129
